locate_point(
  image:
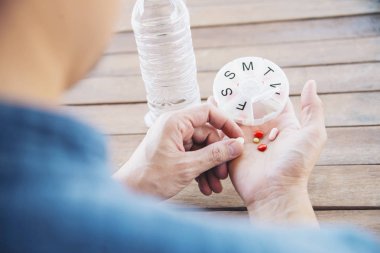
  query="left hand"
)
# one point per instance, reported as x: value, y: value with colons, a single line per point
x: 178, y: 148
x: 273, y: 184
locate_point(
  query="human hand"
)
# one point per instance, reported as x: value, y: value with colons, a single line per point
x: 178, y: 148
x: 273, y: 184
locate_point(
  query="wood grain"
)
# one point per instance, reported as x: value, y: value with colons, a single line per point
x: 216, y: 13
x: 268, y: 33
x: 348, y: 109
x: 130, y: 89
x: 334, y: 185
x: 329, y: 186
x: 334, y: 42
x: 364, y: 220
x: 345, y: 146
x: 285, y: 55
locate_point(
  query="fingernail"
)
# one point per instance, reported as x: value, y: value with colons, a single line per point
x: 240, y: 140
x: 235, y: 147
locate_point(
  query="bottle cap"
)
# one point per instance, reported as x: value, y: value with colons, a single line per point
x: 251, y: 90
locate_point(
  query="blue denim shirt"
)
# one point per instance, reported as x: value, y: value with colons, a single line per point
x: 56, y: 195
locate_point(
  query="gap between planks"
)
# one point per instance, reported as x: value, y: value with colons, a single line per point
x: 358, y: 77
x: 330, y: 188
x: 184, y: 208
x: 243, y: 12
x: 265, y: 34
x: 332, y: 52
x: 368, y: 220
x: 347, y: 109
x: 342, y: 147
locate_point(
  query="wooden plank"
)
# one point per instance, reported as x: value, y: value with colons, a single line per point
x: 364, y: 220
x: 345, y: 146
x: 277, y: 32
x: 348, y: 109
x: 285, y: 55
x: 212, y: 13
x: 329, y: 186
x: 331, y: 79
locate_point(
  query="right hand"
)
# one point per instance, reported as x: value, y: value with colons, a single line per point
x: 180, y: 147
x: 272, y: 180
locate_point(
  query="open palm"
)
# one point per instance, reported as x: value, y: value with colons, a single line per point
x: 289, y: 159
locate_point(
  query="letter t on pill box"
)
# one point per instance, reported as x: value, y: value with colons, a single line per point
x: 251, y: 90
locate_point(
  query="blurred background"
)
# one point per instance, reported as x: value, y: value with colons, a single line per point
x: 335, y: 42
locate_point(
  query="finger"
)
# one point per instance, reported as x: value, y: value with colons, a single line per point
x: 215, y: 154
x: 221, y: 171
x: 203, y: 185
x: 208, y: 135
x: 198, y: 116
x: 214, y: 182
x: 211, y: 101
x: 223, y: 123
x: 311, y: 107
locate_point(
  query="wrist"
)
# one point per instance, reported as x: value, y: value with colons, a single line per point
x: 283, y: 205
x: 132, y: 177
x: 125, y: 176
x: 140, y: 180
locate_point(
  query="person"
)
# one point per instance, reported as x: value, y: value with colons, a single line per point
x: 56, y: 191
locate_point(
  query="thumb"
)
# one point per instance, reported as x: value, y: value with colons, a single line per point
x: 211, y: 100
x: 312, y: 115
x: 216, y: 153
x: 312, y: 108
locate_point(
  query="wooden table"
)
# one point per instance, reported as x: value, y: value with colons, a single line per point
x: 336, y: 42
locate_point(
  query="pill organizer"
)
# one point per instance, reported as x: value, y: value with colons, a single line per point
x: 251, y: 90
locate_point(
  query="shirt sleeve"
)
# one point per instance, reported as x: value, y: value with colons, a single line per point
x: 96, y: 216
x: 137, y: 224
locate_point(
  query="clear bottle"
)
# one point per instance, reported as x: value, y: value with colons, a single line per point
x: 167, y: 60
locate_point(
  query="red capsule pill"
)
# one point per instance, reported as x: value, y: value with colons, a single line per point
x: 259, y: 134
x: 262, y: 147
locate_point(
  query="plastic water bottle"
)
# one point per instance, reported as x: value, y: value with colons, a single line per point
x: 167, y: 61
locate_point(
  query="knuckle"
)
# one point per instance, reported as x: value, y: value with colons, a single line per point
x: 205, y: 106
x: 177, y: 121
x: 184, y: 126
x: 170, y: 120
x: 186, y: 173
x: 183, y: 165
x: 205, y: 109
x: 183, y: 171
x: 218, y: 154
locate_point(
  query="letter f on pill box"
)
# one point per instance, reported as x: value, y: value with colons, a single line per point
x: 251, y: 90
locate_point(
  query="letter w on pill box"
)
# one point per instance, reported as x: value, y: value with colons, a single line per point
x: 251, y: 90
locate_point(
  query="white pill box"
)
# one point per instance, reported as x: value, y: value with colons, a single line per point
x: 251, y: 90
